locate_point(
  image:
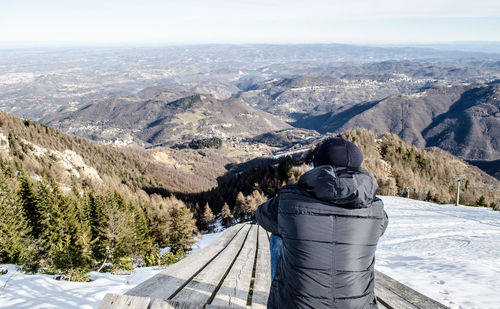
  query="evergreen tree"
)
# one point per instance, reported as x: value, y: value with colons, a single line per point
x: 246, y: 206
x: 255, y: 200
x: 65, y: 240
x: 429, y: 196
x: 239, y: 207
x: 116, y: 230
x: 141, y: 242
x: 481, y: 202
x: 227, y: 217
x: 182, y: 226
x: 16, y: 244
x: 207, y: 219
x: 95, y: 212
x: 159, y: 223
x: 30, y: 206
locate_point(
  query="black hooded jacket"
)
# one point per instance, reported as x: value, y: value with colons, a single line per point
x: 330, y: 223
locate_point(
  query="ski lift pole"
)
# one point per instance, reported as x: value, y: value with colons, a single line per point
x: 458, y: 179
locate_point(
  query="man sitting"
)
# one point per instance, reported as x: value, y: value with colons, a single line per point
x: 325, y: 230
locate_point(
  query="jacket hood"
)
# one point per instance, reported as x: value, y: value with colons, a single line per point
x: 346, y: 187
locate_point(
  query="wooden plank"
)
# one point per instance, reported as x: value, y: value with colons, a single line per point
x: 233, y: 292
x: 169, y: 304
x: 381, y: 306
x: 200, y: 289
x: 392, y: 300
x: 262, y: 282
x: 164, y: 284
x: 215, y: 307
x: 417, y: 299
x: 117, y: 301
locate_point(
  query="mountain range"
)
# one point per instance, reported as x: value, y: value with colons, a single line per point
x: 163, y: 117
x: 463, y: 119
x: 248, y: 94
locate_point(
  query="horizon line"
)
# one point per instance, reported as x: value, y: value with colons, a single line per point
x: 34, y: 45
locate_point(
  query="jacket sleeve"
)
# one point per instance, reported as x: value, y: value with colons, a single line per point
x: 386, y: 223
x: 267, y: 215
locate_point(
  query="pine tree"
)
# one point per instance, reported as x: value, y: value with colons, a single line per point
x: 28, y: 199
x: 16, y: 244
x: 481, y: 202
x: 94, y: 205
x: 65, y: 238
x: 182, y: 226
x: 142, y: 241
x: 255, y: 200
x: 207, y: 219
x: 246, y: 206
x: 429, y: 196
x: 116, y: 230
x: 227, y: 217
x: 239, y: 207
x: 159, y: 223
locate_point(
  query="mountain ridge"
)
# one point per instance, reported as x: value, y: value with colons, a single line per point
x: 461, y: 119
x: 168, y: 120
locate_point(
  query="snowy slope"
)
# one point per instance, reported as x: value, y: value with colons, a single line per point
x: 18, y: 290
x: 451, y: 254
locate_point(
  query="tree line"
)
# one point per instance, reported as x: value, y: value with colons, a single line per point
x: 59, y: 230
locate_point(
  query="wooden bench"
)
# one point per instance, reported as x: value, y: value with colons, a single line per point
x: 234, y: 272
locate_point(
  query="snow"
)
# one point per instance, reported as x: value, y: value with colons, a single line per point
x: 19, y: 290
x: 449, y: 253
x: 201, y: 241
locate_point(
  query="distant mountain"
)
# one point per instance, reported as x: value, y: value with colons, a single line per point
x: 462, y: 119
x: 328, y: 87
x: 161, y: 116
x: 36, y: 83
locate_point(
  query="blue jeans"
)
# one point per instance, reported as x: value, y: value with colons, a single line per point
x: 275, y: 243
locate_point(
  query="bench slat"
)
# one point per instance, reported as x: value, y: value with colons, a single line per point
x: 391, y: 299
x: 171, y: 304
x: 262, y: 282
x: 200, y: 289
x: 234, y: 290
x: 164, y: 284
x: 417, y: 299
x: 168, y: 304
x: 381, y: 306
x: 118, y: 301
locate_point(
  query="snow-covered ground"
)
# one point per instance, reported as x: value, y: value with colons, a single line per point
x: 18, y: 290
x: 451, y: 254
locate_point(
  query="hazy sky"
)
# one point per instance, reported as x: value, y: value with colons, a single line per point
x: 248, y: 21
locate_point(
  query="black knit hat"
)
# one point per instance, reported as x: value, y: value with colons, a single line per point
x: 338, y: 152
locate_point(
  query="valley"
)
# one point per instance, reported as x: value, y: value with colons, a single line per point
x: 248, y: 101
